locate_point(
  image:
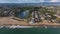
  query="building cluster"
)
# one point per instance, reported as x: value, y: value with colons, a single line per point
x: 35, y: 14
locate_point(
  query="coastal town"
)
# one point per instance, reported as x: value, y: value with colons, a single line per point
x: 30, y: 16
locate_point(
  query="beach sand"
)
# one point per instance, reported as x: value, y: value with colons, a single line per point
x: 10, y: 21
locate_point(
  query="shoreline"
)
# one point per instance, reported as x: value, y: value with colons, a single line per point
x: 30, y: 26
x: 7, y: 21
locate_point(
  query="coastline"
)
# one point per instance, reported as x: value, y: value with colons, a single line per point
x: 31, y: 26
x: 10, y: 23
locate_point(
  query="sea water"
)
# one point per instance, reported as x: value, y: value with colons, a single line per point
x: 30, y: 31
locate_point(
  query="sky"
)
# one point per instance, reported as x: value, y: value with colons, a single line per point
x: 27, y: 1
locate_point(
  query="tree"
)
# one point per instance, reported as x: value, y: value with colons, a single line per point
x: 47, y: 14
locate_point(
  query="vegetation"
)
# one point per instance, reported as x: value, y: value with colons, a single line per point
x: 43, y: 12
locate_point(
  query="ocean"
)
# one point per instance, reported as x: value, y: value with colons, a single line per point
x: 30, y: 31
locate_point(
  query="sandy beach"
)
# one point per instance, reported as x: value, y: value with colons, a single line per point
x: 10, y: 21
